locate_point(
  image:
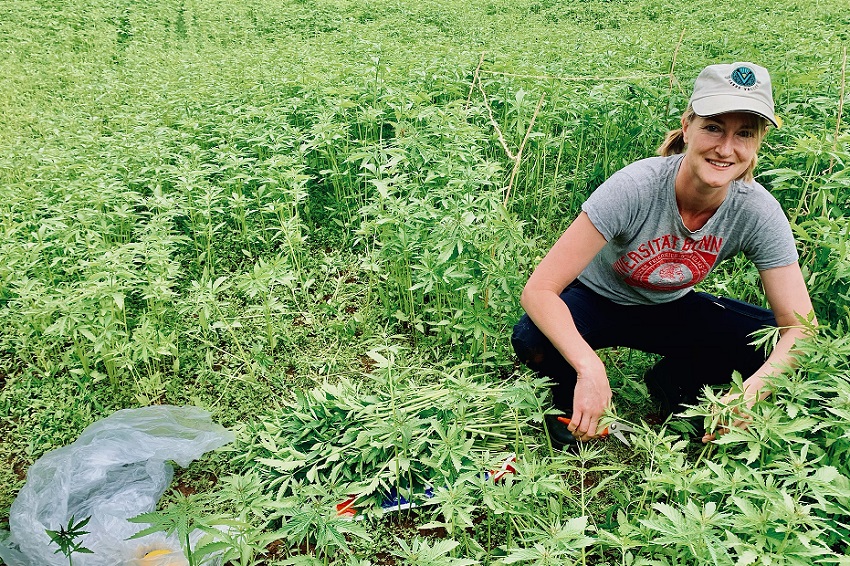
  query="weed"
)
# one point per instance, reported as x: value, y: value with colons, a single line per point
x: 66, y: 538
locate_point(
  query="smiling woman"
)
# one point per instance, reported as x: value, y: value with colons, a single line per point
x: 623, y: 273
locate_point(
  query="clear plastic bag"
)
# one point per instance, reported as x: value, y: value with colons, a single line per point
x: 117, y: 469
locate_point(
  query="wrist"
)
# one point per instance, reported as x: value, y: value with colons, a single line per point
x: 589, y: 366
x: 755, y: 386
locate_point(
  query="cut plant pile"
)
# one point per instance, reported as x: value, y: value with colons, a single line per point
x: 396, y: 434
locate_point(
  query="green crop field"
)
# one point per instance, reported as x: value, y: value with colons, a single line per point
x: 314, y: 221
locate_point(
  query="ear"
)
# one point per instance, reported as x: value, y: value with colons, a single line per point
x: 685, y: 126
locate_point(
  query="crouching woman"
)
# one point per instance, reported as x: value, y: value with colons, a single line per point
x: 623, y: 273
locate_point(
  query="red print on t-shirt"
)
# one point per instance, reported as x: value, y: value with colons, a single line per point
x: 668, y: 263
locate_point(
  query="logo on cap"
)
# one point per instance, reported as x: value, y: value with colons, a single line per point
x: 744, y: 77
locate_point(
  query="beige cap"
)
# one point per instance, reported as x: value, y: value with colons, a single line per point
x: 739, y: 87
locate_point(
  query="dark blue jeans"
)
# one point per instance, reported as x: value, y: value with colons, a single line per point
x: 703, y: 339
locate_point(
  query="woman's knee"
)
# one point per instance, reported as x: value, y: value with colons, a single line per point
x: 529, y: 343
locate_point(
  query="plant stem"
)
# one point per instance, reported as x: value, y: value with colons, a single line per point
x: 840, y: 110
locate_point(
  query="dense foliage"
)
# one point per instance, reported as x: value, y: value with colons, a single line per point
x: 314, y: 220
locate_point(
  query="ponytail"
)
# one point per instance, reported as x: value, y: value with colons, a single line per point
x: 674, y: 143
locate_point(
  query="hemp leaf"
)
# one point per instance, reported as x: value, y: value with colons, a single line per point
x: 65, y: 538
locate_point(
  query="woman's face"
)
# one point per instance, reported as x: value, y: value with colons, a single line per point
x: 720, y: 148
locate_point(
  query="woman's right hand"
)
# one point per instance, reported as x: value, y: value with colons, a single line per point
x: 592, y: 396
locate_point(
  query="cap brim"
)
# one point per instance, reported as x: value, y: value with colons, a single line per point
x: 725, y: 103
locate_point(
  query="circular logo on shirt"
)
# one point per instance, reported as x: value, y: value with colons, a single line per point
x: 671, y: 270
x: 670, y: 275
x: 744, y: 77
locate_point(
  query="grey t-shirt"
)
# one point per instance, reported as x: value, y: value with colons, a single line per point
x: 651, y: 257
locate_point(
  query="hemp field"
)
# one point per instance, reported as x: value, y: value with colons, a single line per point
x: 314, y: 220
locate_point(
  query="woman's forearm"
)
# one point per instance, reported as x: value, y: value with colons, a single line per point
x: 781, y: 357
x: 555, y: 321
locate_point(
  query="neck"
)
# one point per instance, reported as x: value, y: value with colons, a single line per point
x: 697, y: 202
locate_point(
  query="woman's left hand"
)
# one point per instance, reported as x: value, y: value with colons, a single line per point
x: 752, y: 393
x: 789, y: 300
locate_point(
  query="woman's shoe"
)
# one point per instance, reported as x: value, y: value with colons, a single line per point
x: 559, y: 435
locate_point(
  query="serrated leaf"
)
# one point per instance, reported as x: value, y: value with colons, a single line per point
x: 282, y: 465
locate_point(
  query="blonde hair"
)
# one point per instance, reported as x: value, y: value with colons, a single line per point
x: 674, y: 141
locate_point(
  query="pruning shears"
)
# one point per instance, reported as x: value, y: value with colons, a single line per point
x: 617, y: 429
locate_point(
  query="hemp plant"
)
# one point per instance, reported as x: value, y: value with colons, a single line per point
x: 242, y: 533
x: 66, y: 539
x: 182, y: 518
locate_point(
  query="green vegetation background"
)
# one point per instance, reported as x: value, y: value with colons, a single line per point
x: 220, y: 202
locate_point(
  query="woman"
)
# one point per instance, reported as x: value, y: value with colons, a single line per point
x: 622, y: 273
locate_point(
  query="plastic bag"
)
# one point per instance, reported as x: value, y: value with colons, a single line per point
x: 115, y: 470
